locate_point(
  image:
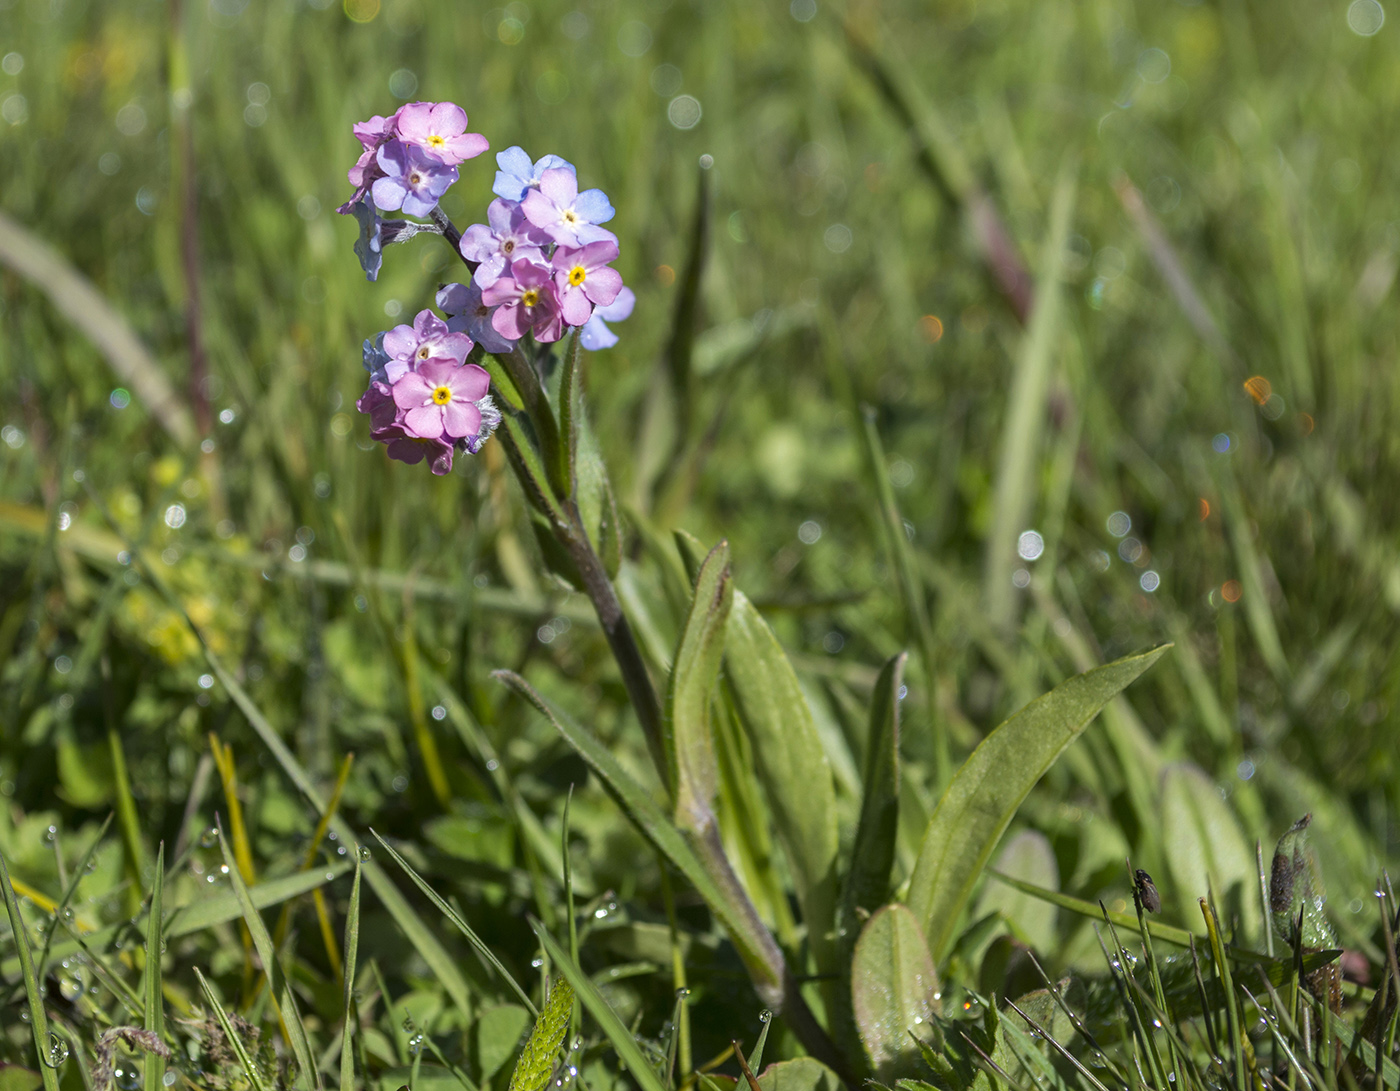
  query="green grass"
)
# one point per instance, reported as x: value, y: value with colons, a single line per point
x: 1229, y: 215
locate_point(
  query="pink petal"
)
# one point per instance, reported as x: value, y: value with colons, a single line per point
x: 425, y: 421
x: 461, y: 419
x: 412, y: 390
x: 472, y: 383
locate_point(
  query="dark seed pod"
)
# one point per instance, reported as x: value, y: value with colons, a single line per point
x: 1147, y: 892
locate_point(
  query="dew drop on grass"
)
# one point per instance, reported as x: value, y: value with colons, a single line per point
x: 765, y: 1016
x: 209, y: 838
x: 365, y: 854
x: 58, y: 1051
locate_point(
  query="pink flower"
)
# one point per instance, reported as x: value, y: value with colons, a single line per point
x: 427, y: 338
x: 439, y: 399
x: 440, y: 128
x: 372, y: 135
x: 406, y: 447
x: 582, y: 278
x: 525, y: 300
x: 569, y: 217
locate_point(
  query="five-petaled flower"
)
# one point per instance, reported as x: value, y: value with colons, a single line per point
x: 440, y: 128
x: 582, y: 278
x: 525, y: 301
x: 439, y: 399
x: 414, y: 180
x: 569, y: 217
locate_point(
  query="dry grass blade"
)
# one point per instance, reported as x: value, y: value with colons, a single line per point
x: 81, y: 303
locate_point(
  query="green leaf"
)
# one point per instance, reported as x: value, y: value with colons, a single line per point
x: 754, y: 943
x: 352, y: 950
x: 38, y: 1020
x: 495, y: 1036
x: 536, y: 1062
x: 612, y: 1027
x: 278, y: 987
x: 15, y: 1077
x: 1027, y: 856
x: 872, y: 856
x: 893, y: 990
x: 1017, y: 465
x: 800, y: 1074
x: 1295, y: 885
x: 690, y: 743
x: 570, y: 410
x: 1206, y: 850
x: 155, y: 1003
x: 792, y: 766
x: 989, y: 788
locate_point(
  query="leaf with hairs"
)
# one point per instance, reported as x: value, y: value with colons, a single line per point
x: 536, y: 1062
x: 989, y: 788
x: 690, y: 743
x: 597, y: 1006
x: 893, y: 985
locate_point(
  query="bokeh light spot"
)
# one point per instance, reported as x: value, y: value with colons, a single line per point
x: 1231, y: 591
x: 361, y: 11
x: 931, y: 326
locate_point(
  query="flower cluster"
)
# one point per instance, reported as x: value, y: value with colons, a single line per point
x: 539, y: 265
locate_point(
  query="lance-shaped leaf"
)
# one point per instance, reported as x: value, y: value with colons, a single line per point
x: 1295, y: 886
x: 893, y: 986
x: 792, y: 766
x: 989, y: 788
x: 690, y: 744
x: 872, y: 856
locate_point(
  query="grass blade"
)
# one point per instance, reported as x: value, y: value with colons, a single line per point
x: 38, y: 1020
x: 278, y: 986
x: 461, y: 925
x: 74, y: 295
x: 352, y: 949
x: 155, y: 1005
x: 1014, y: 489
x: 230, y: 1035
x: 755, y: 944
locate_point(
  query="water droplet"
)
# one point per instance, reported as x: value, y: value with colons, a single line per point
x: 765, y: 1016
x: 408, y: 1024
x: 365, y: 854
x: 683, y: 993
x: 70, y: 988
x: 536, y: 962
x: 210, y: 837
x: 51, y: 834
x: 58, y: 1051
x: 415, y: 1045
x: 128, y: 1079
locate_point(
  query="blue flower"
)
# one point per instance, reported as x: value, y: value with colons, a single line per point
x: 518, y: 175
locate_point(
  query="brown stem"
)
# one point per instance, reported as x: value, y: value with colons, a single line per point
x: 628, y: 655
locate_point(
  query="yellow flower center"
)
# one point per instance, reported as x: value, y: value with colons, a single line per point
x: 570, y: 217
x: 576, y: 275
x: 436, y: 141
x: 442, y: 395
x: 530, y: 298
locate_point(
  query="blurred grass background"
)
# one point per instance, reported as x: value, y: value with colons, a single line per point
x: 1210, y: 459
